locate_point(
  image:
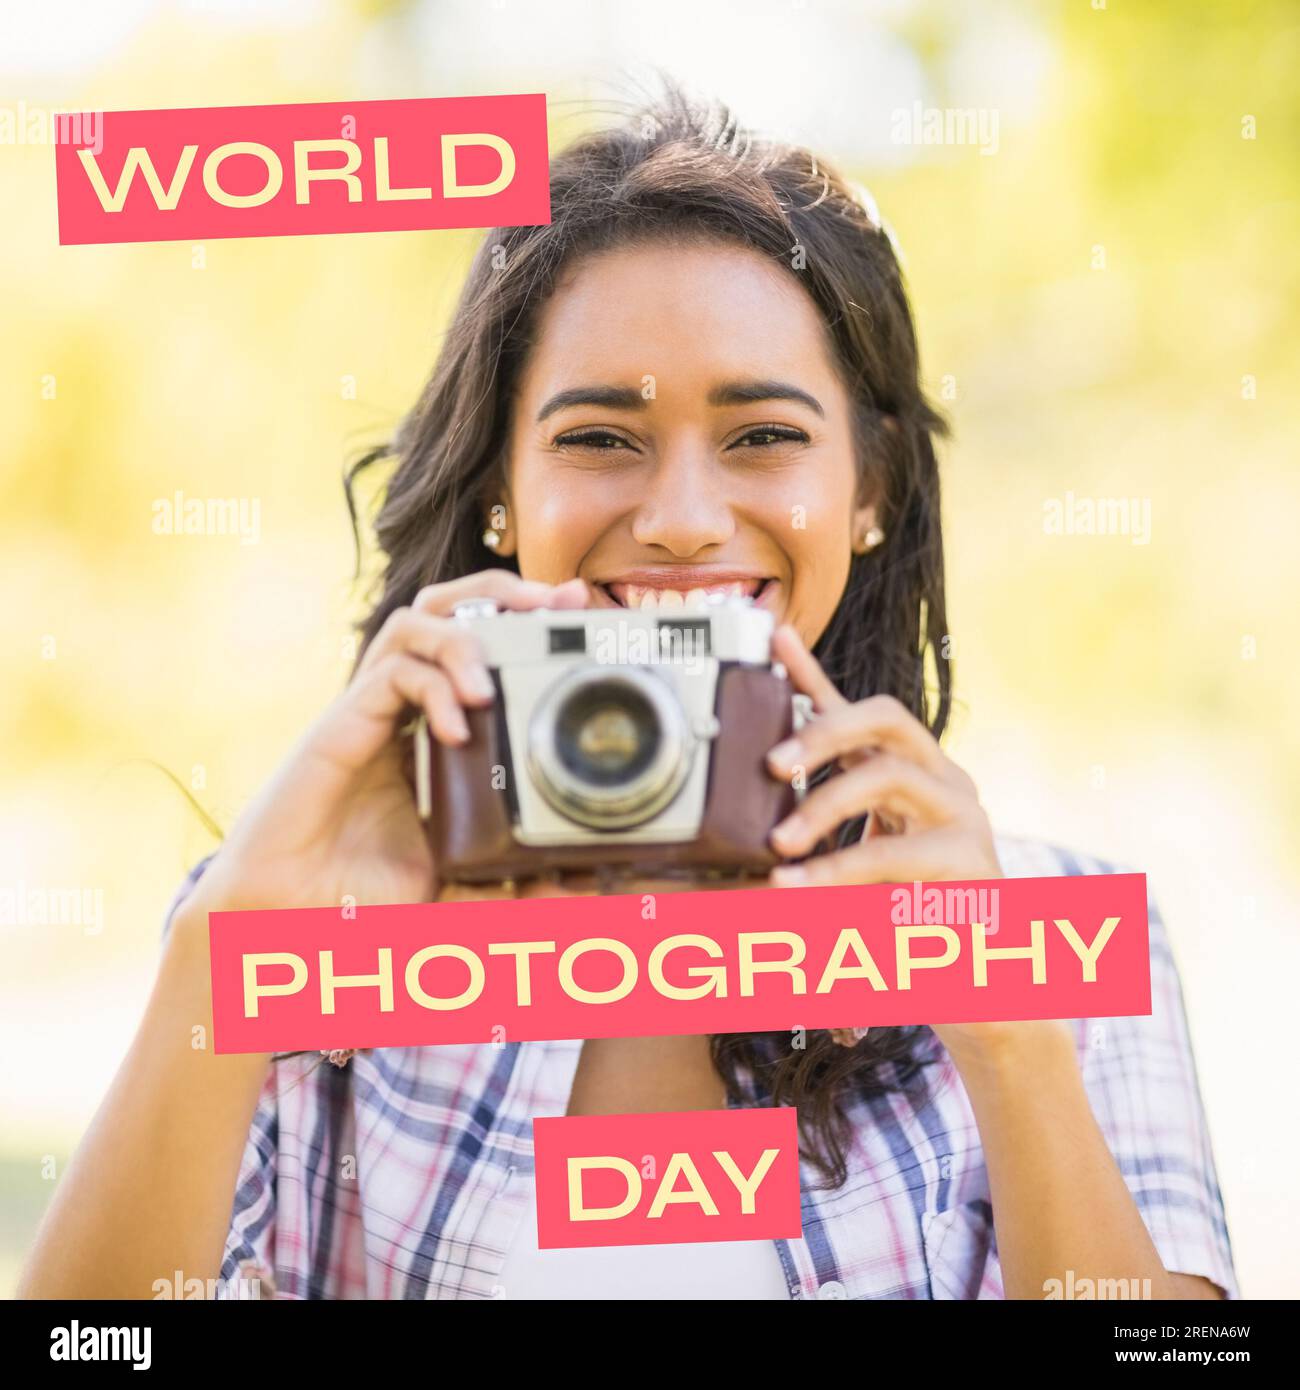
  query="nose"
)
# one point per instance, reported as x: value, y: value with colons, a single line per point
x: 686, y: 507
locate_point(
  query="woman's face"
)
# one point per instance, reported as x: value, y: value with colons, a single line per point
x: 680, y: 426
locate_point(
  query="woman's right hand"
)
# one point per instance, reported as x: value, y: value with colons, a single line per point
x: 338, y: 819
x: 150, y: 1189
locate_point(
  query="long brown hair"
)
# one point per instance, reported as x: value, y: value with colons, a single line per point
x: 683, y: 169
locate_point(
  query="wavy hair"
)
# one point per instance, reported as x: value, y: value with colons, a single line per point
x: 683, y: 169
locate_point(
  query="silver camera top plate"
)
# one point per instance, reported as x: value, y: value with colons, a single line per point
x: 732, y: 629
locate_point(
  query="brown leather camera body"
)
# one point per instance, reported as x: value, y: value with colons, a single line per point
x: 471, y: 822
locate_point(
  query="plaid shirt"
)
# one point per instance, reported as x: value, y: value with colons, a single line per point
x: 405, y: 1173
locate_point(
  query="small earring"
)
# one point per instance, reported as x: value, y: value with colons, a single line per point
x: 492, y: 538
x: 871, y: 538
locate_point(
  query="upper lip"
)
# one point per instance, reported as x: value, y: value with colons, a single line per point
x: 682, y: 576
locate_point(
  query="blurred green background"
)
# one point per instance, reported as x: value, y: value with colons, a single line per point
x: 1107, y: 298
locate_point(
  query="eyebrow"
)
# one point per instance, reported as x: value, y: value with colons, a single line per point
x: 745, y: 392
x: 730, y: 393
x: 616, y: 397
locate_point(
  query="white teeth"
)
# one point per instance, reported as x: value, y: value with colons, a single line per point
x: 638, y: 596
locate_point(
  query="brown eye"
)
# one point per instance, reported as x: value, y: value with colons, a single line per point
x: 764, y: 436
x: 591, y: 439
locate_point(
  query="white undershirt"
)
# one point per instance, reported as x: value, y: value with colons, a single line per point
x: 731, y: 1269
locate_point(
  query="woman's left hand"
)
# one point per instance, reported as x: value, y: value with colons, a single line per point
x: 925, y: 822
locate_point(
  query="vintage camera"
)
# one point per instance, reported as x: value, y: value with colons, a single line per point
x: 622, y: 739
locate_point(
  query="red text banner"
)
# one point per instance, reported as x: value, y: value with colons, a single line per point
x: 690, y: 1175
x: 250, y: 171
x: 633, y: 965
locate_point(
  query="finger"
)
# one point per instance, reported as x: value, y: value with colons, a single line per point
x: 361, y: 721
x: 866, y: 726
x: 401, y: 680
x: 804, y: 669
x: 438, y: 640
x: 884, y: 783
x: 505, y: 588
x: 926, y: 856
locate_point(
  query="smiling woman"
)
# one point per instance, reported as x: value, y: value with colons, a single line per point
x: 701, y: 374
x: 733, y: 465
x: 711, y: 343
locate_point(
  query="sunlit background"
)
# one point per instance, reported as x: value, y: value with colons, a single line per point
x: 1106, y: 283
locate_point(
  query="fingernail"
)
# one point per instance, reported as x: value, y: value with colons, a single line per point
x: 480, y: 683
x: 790, y: 832
x: 785, y: 752
x: 788, y: 876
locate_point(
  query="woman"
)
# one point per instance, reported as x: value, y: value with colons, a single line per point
x: 701, y: 374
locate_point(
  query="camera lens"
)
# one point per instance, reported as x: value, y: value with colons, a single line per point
x: 609, y: 749
x: 606, y: 733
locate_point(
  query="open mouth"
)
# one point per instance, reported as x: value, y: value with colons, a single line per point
x: 668, y: 596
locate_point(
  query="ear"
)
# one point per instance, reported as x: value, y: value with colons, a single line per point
x: 865, y: 531
x: 865, y: 534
